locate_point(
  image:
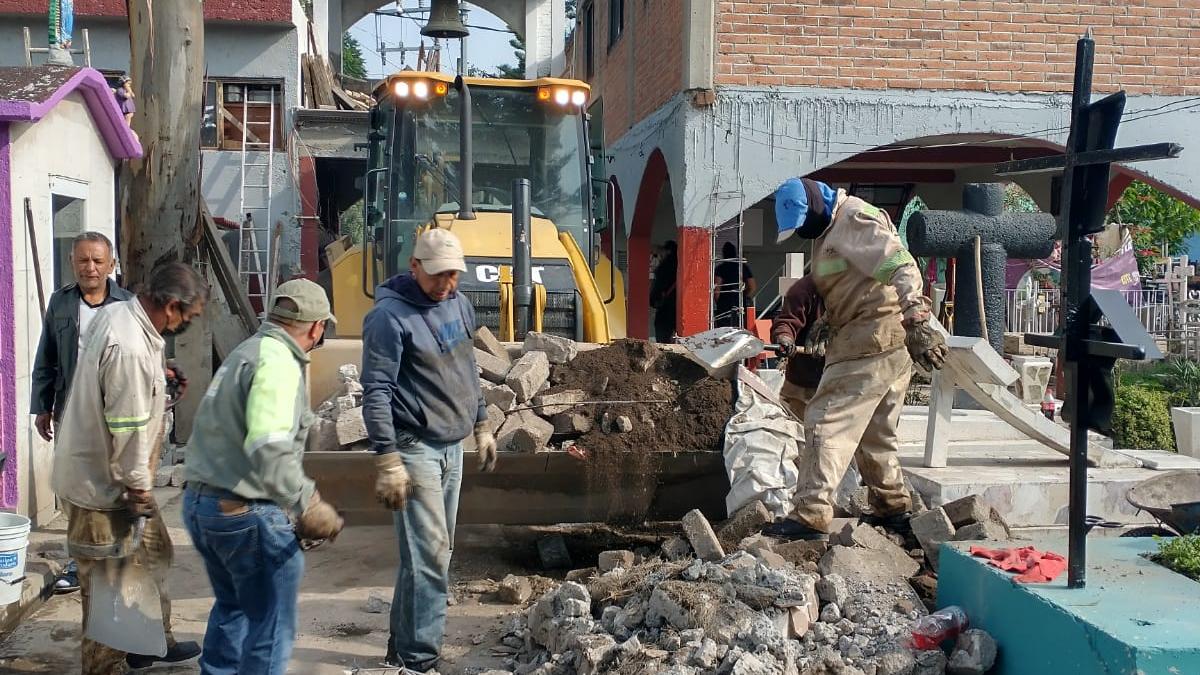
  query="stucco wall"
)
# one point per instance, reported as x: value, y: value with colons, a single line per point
x: 231, y: 50
x: 67, y: 144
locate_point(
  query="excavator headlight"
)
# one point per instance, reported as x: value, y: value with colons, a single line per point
x: 401, y: 89
x: 420, y: 89
x: 578, y: 97
x: 562, y: 96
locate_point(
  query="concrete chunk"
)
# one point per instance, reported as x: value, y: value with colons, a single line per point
x: 527, y: 375
x: 548, y: 405
x: 676, y: 548
x: 988, y: 530
x: 515, y: 590
x: 800, y: 552
x: 704, y: 541
x: 863, y: 564
x: 571, y: 424
x: 865, y: 536
x: 498, y: 395
x: 486, y: 341
x: 969, y: 509
x: 743, y: 523
x: 350, y: 427
x: 531, y: 433
x: 493, y: 368
x: 557, y: 349
x: 974, y: 653
x: 610, y: 560
x: 495, y: 418
x: 931, y: 529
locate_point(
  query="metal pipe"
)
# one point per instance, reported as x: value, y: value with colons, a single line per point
x: 466, y: 157
x: 1078, y: 277
x: 522, y: 247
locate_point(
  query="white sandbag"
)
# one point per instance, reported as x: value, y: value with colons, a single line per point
x: 760, y: 448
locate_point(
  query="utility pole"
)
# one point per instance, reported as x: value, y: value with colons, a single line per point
x: 160, y: 192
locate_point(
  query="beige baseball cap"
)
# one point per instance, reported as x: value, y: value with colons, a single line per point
x: 311, y: 302
x: 439, y: 250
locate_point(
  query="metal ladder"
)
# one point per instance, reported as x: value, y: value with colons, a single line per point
x: 254, y: 254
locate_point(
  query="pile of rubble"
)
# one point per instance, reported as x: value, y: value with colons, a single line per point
x: 548, y: 394
x: 812, y: 607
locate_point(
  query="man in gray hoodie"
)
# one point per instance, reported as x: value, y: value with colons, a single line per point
x: 421, y: 399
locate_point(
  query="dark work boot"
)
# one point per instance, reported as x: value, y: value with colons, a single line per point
x: 895, y: 522
x: 786, y: 528
x: 180, y: 651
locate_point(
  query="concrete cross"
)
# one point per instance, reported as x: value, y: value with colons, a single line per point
x: 1002, y: 236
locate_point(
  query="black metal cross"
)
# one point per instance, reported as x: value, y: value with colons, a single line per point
x: 1087, y: 348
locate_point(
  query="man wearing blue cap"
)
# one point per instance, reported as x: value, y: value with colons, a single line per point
x: 878, y: 319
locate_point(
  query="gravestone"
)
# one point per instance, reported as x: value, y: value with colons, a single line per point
x: 951, y: 234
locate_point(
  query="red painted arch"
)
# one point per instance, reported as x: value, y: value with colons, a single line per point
x: 654, y: 177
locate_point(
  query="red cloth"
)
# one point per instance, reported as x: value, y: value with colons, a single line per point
x: 1033, y: 565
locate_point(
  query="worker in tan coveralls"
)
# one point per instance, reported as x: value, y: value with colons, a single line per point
x: 108, y: 444
x: 878, y: 325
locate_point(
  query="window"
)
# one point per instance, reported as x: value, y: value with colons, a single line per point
x: 68, y: 218
x: 589, y: 40
x: 616, y: 21
x: 228, y: 104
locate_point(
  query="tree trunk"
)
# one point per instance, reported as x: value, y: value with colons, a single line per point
x: 160, y: 191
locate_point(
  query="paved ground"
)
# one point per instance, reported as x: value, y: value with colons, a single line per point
x: 335, y: 633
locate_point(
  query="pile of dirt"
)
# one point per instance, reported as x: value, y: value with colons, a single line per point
x: 680, y: 409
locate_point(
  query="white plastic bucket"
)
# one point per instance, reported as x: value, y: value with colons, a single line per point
x: 14, y: 539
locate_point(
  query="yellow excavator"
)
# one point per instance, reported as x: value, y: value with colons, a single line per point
x: 499, y: 162
x: 453, y: 153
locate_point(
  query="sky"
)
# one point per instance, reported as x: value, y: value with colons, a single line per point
x: 486, y: 49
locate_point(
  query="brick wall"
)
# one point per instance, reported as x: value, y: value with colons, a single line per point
x: 644, y: 67
x: 1142, y: 46
x: 266, y: 11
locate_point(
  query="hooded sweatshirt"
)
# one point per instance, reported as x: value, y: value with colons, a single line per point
x: 419, y: 376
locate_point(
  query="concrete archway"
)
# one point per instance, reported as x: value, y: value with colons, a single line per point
x: 655, y: 181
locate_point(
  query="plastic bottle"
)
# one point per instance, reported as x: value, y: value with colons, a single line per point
x: 1048, y: 406
x: 932, y: 630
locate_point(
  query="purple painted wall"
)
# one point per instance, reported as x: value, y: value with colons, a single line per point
x: 8, y: 331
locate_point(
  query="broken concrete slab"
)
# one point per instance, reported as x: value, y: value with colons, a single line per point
x: 974, y: 653
x: 700, y: 534
x: 676, y: 548
x: 548, y: 405
x: 498, y: 395
x: 800, y: 552
x: 745, y: 522
x: 771, y: 559
x: 863, y: 564
x: 833, y: 588
x: 493, y: 368
x: 528, y: 375
x: 486, y: 341
x: 865, y: 536
x: 610, y: 560
x: 557, y: 349
x: 931, y: 529
x: 495, y: 418
x: 350, y: 427
x: 571, y: 424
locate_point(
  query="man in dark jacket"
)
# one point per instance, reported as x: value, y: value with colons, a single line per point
x: 71, y: 310
x: 663, y: 295
x: 421, y: 399
x: 799, y: 325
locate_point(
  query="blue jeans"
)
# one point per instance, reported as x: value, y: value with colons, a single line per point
x: 425, y: 529
x: 254, y: 564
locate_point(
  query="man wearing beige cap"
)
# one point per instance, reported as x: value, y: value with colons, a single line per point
x: 421, y: 399
x: 248, y: 503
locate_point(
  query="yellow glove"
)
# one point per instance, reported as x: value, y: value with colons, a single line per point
x: 391, y: 480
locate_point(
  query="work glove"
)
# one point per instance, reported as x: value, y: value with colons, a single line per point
x: 140, y: 503
x: 391, y: 480
x: 485, y: 443
x: 925, y: 345
x: 817, y: 338
x: 177, y: 382
x: 319, y: 521
x: 787, y: 346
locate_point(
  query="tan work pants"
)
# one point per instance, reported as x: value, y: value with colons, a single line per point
x: 853, y: 415
x: 155, y: 552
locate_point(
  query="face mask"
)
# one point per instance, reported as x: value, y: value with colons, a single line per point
x: 170, y: 332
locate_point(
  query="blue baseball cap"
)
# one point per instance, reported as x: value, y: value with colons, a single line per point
x: 791, y: 208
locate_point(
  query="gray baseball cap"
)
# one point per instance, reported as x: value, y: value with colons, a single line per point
x: 311, y: 302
